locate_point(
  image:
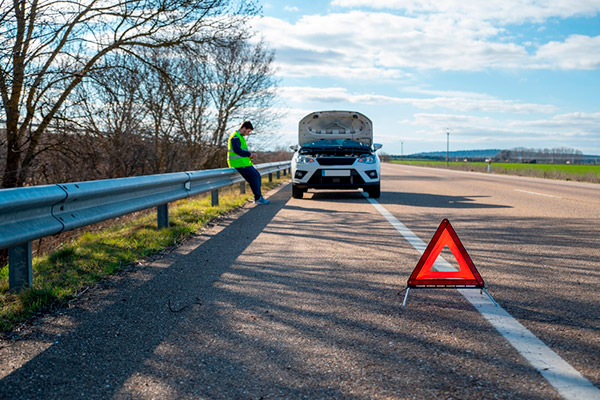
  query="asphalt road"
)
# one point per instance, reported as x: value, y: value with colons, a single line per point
x: 300, y: 299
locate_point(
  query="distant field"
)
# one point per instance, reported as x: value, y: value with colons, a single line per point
x: 583, y: 173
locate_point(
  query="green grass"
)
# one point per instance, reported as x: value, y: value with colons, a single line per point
x: 61, y: 274
x: 584, y: 173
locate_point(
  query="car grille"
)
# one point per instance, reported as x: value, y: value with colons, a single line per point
x: 318, y: 179
x: 336, y: 160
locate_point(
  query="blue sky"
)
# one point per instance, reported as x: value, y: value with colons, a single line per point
x: 495, y: 73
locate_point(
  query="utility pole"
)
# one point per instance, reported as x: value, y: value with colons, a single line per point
x: 448, y: 146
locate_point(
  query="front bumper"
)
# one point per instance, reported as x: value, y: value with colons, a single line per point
x: 318, y: 179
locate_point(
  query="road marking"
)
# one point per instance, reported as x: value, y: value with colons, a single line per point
x: 537, y: 194
x: 569, y: 382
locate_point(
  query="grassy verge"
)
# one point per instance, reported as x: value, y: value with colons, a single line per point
x: 61, y: 274
x: 569, y: 172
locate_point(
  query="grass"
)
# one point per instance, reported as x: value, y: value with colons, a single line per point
x: 61, y: 274
x: 569, y: 172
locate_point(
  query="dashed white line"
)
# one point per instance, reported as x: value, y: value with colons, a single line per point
x: 569, y: 382
x: 537, y: 194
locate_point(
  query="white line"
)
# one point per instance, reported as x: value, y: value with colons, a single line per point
x: 537, y: 194
x: 439, y: 265
x: 569, y: 383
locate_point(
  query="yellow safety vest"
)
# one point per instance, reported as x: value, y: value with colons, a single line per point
x: 233, y: 159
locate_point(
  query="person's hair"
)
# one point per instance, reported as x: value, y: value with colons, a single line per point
x: 247, y: 125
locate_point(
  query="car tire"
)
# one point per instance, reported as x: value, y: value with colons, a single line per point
x: 297, y: 192
x: 374, y: 192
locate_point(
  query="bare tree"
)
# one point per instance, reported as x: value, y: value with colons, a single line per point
x: 211, y: 88
x: 109, y: 110
x: 160, y: 111
x: 174, y: 96
x: 47, y: 47
x: 242, y: 86
x: 155, y: 98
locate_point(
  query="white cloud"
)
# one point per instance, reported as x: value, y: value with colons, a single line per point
x: 328, y: 69
x: 576, y: 52
x: 571, y: 130
x: 427, y: 131
x: 382, y: 43
x: 446, y: 93
x: 585, y: 124
x: 504, y: 11
x: 389, y: 45
x: 377, y: 45
x: 464, y: 102
x: 291, y: 9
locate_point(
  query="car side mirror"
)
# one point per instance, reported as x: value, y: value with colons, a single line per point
x: 294, y: 147
x: 377, y: 146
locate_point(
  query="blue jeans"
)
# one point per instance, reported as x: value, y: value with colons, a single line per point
x: 252, y: 176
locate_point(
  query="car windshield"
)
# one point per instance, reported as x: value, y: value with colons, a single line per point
x: 333, y: 144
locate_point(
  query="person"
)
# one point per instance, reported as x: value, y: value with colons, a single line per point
x: 240, y: 158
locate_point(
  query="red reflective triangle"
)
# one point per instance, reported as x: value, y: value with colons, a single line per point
x: 466, y: 275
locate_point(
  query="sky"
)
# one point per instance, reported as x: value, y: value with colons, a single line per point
x: 493, y: 74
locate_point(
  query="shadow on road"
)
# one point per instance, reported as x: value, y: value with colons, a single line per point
x: 106, y: 344
x: 406, y: 199
x: 436, y: 201
x: 234, y: 320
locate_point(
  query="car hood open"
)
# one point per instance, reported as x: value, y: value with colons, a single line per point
x: 335, y: 125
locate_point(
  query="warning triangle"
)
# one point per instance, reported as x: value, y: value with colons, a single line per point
x: 424, y: 275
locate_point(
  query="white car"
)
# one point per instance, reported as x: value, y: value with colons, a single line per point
x: 335, y: 151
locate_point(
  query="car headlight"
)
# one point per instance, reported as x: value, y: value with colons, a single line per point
x: 366, y: 159
x: 303, y: 159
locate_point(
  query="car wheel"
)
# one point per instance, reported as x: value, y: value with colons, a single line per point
x: 374, y: 192
x: 297, y: 192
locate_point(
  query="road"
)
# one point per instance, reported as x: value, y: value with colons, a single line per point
x: 301, y: 299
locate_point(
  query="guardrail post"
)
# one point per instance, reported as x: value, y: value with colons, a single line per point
x: 214, y: 197
x: 270, y: 177
x: 242, y: 187
x: 20, y: 274
x: 162, y: 216
x: 284, y: 171
x: 278, y: 174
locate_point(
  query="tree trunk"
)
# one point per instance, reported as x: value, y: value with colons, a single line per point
x: 13, y: 157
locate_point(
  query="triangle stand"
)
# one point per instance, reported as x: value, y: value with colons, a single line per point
x: 483, y: 289
x: 425, y: 276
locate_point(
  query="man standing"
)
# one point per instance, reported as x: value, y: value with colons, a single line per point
x: 239, y: 157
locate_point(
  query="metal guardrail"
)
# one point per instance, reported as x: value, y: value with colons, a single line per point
x: 32, y: 213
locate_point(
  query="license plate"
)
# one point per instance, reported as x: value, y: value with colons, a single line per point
x: 335, y: 172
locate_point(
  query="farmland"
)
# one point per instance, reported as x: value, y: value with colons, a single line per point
x: 571, y: 172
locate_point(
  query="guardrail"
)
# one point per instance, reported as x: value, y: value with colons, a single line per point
x: 32, y: 213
